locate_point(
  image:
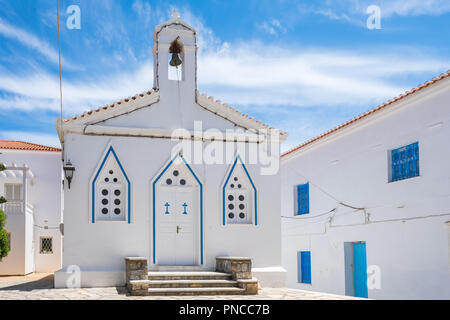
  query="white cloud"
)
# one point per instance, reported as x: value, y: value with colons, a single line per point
x: 272, y: 27
x: 250, y: 73
x: 9, y: 31
x: 144, y: 11
x: 41, y: 90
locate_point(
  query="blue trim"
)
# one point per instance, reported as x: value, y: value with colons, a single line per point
x: 253, y: 186
x: 154, y: 207
x: 111, y: 150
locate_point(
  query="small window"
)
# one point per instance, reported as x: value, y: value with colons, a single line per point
x: 302, y: 199
x: 304, y: 266
x: 13, y: 192
x: 46, y: 246
x: 405, y: 162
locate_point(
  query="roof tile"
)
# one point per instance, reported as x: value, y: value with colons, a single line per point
x: 21, y: 145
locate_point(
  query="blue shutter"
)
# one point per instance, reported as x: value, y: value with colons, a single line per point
x: 303, y: 198
x: 405, y: 162
x: 306, y: 267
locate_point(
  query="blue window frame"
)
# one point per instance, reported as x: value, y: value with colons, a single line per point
x: 304, y: 266
x: 405, y: 162
x: 302, y: 199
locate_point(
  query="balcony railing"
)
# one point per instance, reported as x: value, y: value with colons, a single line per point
x: 16, y: 207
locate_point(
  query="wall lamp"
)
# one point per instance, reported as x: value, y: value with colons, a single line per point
x: 68, y: 172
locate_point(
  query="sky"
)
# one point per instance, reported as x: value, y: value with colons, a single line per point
x: 301, y: 66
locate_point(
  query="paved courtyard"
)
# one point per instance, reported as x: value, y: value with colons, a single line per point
x: 40, y: 287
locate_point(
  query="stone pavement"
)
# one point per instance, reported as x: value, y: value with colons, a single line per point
x: 40, y: 287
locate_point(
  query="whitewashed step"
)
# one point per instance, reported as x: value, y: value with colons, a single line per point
x: 191, y: 283
x: 194, y: 291
x: 189, y: 275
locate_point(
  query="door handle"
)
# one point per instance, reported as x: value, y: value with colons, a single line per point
x: 178, y: 229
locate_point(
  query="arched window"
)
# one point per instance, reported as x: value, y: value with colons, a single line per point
x: 239, y: 196
x: 110, y: 190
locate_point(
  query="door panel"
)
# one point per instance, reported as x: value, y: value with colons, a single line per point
x: 360, y: 270
x: 177, y: 218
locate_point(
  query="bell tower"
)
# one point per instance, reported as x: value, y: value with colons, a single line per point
x: 175, y: 60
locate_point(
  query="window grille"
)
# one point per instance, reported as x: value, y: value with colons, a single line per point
x: 303, y: 199
x: 46, y: 246
x: 405, y: 162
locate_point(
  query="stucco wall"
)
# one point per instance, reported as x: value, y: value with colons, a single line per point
x: 352, y: 167
x: 44, y: 194
x: 103, y: 245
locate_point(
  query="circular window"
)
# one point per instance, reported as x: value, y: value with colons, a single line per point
x: 231, y: 215
x: 231, y: 206
x: 117, y: 211
x: 105, y: 211
x: 117, y: 192
x: 111, y: 172
x: 106, y: 179
x: 176, y: 173
x: 105, y: 201
x: 104, y: 192
x: 235, y: 179
x: 230, y: 197
x: 115, y: 179
x: 241, y: 206
x: 239, y: 186
x: 117, y: 202
x: 232, y: 185
x: 241, y: 215
x: 169, y: 181
x: 182, y: 182
x: 241, y: 197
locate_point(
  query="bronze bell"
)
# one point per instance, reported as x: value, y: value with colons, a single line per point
x: 175, y: 61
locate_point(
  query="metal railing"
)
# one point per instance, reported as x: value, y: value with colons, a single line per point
x: 16, y: 207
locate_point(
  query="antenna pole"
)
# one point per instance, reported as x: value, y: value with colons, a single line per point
x: 60, y: 84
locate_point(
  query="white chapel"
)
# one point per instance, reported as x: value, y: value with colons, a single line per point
x: 169, y: 176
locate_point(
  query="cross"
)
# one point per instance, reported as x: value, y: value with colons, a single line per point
x: 167, y: 205
x: 185, y: 206
x: 175, y: 14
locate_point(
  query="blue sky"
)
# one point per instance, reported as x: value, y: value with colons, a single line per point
x: 301, y: 66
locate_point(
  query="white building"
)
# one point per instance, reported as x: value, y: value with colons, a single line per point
x: 32, y: 185
x: 135, y: 193
x: 366, y: 206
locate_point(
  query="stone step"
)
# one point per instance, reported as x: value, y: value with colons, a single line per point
x: 191, y: 283
x: 189, y: 275
x: 195, y: 291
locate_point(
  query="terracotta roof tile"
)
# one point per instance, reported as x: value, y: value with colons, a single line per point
x: 21, y: 145
x: 364, y: 115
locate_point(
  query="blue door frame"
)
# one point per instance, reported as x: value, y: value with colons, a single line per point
x: 360, y: 269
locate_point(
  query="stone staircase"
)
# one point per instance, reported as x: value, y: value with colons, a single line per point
x: 189, y: 283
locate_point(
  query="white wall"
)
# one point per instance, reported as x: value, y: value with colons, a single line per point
x: 352, y: 167
x: 102, y: 246
x: 44, y: 194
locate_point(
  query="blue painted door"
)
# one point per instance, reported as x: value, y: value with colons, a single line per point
x: 360, y: 270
